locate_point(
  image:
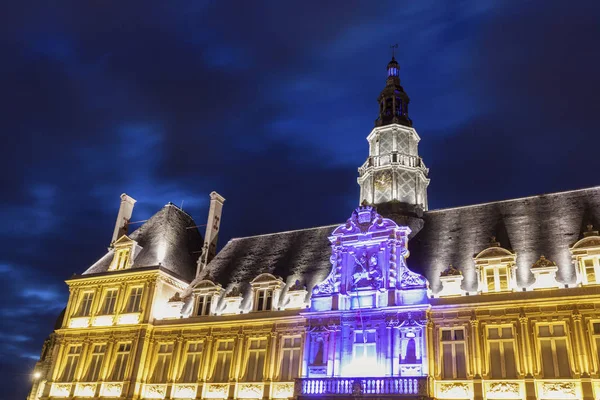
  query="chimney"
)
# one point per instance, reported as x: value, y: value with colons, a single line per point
x: 209, y: 250
x: 125, y: 211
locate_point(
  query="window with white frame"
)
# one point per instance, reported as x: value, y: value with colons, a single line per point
x: 121, y: 360
x: 223, y: 358
x: 164, y: 357
x: 264, y: 299
x: 501, y: 350
x: 454, y: 360
x: 85, y: 305
x: 590, y: 266
x: 596, y: 339
x: 72, y: 360
x: 496, y: 278
x: 108, y: 304
x: 257, y: 351
x: 95, y: 363
x: 204, y: 304
x: 290, y: 358
x: 554, y: 350
x: 135, y: 300
x: 365, y: 346
x: 192, y: 362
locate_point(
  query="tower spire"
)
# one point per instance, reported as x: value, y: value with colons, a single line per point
x: 393, y: 101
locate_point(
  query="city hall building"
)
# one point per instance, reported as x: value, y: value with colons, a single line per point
x: 490, y: 301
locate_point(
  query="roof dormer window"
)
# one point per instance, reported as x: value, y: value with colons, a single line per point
x: 264, y: 300
x: 123, y: 254
x: 496, y: 269
x: 206, y: 294
x: 267, y: 290
x: 586, y: 257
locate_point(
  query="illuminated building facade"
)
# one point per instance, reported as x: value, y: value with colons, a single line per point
x: 492, y: 301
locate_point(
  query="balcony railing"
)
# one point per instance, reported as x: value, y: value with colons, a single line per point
x: 388, y: 386
x: 394, y: 159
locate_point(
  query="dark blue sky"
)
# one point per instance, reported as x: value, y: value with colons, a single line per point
x: 268, y: 103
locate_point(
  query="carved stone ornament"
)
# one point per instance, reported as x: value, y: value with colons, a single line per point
x: 282, y: 390
x: 250, y: 391
x: 234, y: 292
x: 217, y: 390
x: 451, y: 271
x: 543, y: 262
x: 455, y: 390
x: 503, y: 389
x: 562, y: 389
x: 175, y: 298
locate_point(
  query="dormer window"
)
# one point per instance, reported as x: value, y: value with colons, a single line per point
x: 496, y: 269
x: 586, y: 257
x: 206, y: 294
x: 123, y: 253
x: 204, y: 304
x: 267, y: 289
x: 264, y: 300
x: 121, y: 259
x: 591, y: 270
x: 496, y: 278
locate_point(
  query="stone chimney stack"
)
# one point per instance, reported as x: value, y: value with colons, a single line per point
x: 123, y: 218
x: 209, y: 250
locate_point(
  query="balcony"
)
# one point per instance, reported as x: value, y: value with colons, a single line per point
x: 338, y: 387
x: 393, y: 159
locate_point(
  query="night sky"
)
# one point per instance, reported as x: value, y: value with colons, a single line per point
x: 268, y: 103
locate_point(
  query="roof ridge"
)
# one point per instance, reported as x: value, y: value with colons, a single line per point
x: 515, y: 199
x: 279, y: 233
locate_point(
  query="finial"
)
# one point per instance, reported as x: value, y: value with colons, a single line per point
x: 394, y: 47
x: 590, y: 231
x: 493, y: 242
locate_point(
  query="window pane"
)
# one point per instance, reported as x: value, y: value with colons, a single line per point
x: 564, y: 369
x: 447, y: 361
x: 461, y: 362
x: 509, y: 360
x: 495, y: 360
x: 459, y: 334
x: 547, y: 359
x: 118, y: 373
x: 503, y: 278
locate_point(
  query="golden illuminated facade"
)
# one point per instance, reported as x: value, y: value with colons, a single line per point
x: 397, y: 302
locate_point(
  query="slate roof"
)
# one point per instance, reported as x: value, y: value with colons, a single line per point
x: 533, y: 226
x: 164, y: 238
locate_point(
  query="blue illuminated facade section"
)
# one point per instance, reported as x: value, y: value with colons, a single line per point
x: 368, y: 317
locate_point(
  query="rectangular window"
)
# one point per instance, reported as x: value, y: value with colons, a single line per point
x: 264, y: 299
x: 121, y: 359
x: 496, y: 278
x: 135, y: 299
x: 591, y: 269
x: 85, y: 306
x: 502, y: 352
x: 554, y: 351
x: 596, y: 338
x: 454, y: 360
x: 163, y: 363
x: 223, y: 360
x: 290, y: 358
x: 110, y: 299
x: 121, y: 260
x: 257, y: 352
x: 73, y: 354
x: 204, y: 304
x: 364, y: 348
x: 192, y: 362
x: 93, y: 371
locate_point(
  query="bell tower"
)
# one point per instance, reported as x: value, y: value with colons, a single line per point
x: 394, y: 177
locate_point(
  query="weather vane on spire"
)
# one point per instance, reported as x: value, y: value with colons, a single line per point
x: 394, y: 47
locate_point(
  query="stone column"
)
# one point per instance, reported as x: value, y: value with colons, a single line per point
x: 271, y: 357
x: 582, y: 357
x: 306, y: 352
x: 389, y: 356
x: 207, y: 355
x: 108, y: 360
x: 525, y: 347
x: 84, y: 355
x: 238, y: 356
x: 176, y: 367
x: 475, y: 346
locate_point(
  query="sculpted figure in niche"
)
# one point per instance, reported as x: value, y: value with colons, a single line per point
x: 366, y: 274
x: 319, y: 355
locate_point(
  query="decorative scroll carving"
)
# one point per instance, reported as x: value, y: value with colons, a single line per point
x: 497, y: 390
x: 250, y: 391
x: 217, y: 391
x: 455, y: 390
x: 557, y: 390
x: 282, y: 390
